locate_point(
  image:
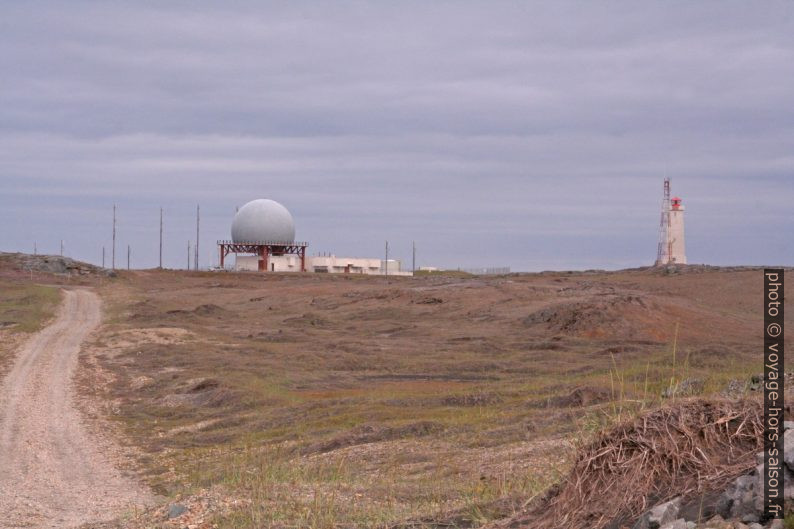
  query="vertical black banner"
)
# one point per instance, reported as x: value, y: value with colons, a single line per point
x: 773, y: 392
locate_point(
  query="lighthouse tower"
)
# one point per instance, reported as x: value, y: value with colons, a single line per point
x: 671, y: 248
x: 675, y: 236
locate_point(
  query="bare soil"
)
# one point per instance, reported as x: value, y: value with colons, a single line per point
x: 55, y: 473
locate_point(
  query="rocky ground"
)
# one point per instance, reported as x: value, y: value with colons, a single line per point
x: 50, y: 264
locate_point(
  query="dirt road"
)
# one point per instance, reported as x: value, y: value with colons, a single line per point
x: 53, y: 471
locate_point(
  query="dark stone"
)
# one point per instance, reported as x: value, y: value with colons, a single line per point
x: 176, y: 510
x: 703, y: 507
x: 659, y: 515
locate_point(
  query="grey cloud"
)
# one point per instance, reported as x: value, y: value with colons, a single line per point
x: 537, y: 133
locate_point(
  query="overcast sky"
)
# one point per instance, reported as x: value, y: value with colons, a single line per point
x: 521, y: 134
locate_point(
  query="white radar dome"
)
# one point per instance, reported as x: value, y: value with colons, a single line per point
x: 263, y: 220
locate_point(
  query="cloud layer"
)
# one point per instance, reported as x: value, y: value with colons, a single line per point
x: 531, y: 135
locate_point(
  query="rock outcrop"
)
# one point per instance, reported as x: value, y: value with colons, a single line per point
x: 739, y: 506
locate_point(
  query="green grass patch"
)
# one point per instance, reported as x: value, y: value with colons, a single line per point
x: 25, y: 307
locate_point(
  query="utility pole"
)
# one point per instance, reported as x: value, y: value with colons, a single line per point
x: 196, y: 260
x: 113, y: 259
x: 188, y: 255
x: 413, y: 257
x: 161, y: 238
x: 386, y: 262
x: 103, y: 257
x: 128, y: 257
x: 61, y: 247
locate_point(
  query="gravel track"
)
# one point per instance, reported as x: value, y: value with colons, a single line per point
x: 53, y: 471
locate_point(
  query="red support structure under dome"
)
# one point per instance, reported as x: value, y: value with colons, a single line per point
x: 264, y: 250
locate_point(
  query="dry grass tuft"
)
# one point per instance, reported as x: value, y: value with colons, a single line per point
x: 693, y: 446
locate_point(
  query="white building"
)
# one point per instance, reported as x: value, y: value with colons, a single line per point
x: 275, y: 263
x: 393, y: 267
x: 323, y: 264
x: 331, y: 264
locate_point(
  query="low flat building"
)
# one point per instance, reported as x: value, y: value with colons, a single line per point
x: 322, y: 264
x: 331, y: 264
x: 393, y: 267
x: 275, y: 263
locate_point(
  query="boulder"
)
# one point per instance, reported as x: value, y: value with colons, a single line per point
x: 176, y: 510
x: 676, y: 524
x: 660, y: 515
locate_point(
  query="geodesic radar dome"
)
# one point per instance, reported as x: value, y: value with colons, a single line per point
x: 263, y: 221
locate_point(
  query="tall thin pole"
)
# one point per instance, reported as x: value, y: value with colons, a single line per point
x: 161, y: 238
x: 103, y: 257
x: 128, y: 257
x: 61, y: 247
x: 413, y: 257
x: 663, y: 250
x: 113, y: 259
x: 196, y: 260
x: 386, y: 262
x: 188, y: 255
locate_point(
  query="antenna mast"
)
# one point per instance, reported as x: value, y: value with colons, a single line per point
x: 113, y: 259
x: 161, y: 238
x: 196, y: 260
x: 663, y: 250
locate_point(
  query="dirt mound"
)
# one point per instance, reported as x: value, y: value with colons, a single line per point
x: 369, y: 433
x: 579, y: 397
x: 598, y: 316
x: 209, y: 310
x: 694, y: 446
x: 199, y: 392
x: 430, y: 300
x: 617, y: 350
x: 308, y: 319
x: 471, y: 399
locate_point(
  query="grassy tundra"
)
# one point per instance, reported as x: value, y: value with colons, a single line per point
x: 322, y: 401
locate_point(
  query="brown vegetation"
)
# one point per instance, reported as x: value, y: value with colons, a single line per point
x: 435, y: 401
x: 693, y: 447
x: 359, y: 402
